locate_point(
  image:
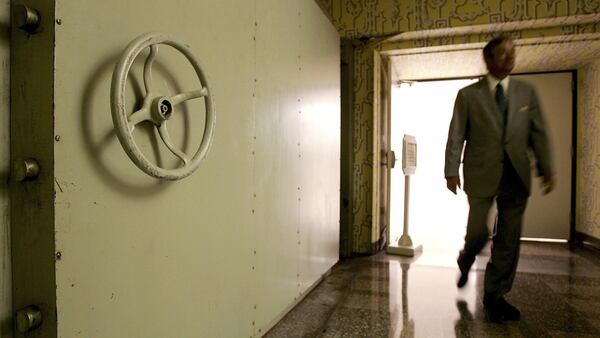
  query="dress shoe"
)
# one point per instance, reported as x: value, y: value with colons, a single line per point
x: 509, y: 311
x: 464, y: 272
x: 463, y: 278
x: 499, y: 310
x: 492, y: 311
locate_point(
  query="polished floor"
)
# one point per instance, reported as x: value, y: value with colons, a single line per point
x: 556, y: 288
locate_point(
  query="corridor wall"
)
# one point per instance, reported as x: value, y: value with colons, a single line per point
x: 588, y: 151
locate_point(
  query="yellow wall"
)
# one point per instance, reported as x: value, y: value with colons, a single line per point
x: 379, y: 19
x: 588, y: 151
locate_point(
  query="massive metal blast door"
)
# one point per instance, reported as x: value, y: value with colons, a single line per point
x: 102, y: 248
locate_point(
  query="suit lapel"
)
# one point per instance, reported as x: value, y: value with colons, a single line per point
x: 513, y: 91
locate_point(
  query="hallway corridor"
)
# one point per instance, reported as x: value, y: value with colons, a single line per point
x: 556, y: 289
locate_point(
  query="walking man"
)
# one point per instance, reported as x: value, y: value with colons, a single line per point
x: 497, y: 121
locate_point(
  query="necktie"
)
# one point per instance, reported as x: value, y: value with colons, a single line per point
x: 501, y: 101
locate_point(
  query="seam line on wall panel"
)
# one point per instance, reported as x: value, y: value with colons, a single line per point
x: 254, y: 303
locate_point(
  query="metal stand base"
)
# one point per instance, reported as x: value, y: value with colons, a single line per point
x: 404, y: 250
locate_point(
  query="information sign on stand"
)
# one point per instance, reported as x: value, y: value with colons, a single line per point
x: 404, y: 246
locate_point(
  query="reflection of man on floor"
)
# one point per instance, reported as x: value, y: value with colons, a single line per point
x: 497, y: 120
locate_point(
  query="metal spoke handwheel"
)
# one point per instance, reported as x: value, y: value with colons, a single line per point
x: 157, y: 109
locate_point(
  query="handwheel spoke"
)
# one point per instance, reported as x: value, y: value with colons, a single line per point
x: 194, y: 94
x: 148, y: 69
x: 164, y: 134
x: 139, y: 116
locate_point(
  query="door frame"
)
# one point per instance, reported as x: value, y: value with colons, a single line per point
x: 382, y: 154
x: 347, y: 49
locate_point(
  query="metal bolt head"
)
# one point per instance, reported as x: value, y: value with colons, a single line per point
x: 25, y: 18
x: 28, y: 319
x: 27, y: 169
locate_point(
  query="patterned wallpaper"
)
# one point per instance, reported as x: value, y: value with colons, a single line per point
x: 372, y: 21
x: 362, y: 140
x: 588, y: 156
x: 370, y: 18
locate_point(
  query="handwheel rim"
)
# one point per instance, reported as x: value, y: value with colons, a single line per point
x: 120, y: 116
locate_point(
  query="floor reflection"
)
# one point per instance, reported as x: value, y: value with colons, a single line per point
x: 408, y: 325
x: 556, y: 289
x: 461, y: 326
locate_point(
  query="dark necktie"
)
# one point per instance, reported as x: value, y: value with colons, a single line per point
x: 502, y: 102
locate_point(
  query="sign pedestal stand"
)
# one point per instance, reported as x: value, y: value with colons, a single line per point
x: 405, y: 246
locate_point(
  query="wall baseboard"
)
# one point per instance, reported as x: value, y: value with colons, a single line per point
x: 587, y: 241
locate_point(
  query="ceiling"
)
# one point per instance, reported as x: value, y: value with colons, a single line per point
x: 533, y: 55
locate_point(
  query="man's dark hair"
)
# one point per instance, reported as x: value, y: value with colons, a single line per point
x: 488, y: 50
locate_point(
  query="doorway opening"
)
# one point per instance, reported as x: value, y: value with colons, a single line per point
x: 423, y: 56
x: 424, y: 109
x: 437, y: 218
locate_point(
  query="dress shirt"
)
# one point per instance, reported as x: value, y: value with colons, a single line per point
x: 493, y: 81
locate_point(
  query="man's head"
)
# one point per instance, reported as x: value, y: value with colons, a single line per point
x: 499, y: 55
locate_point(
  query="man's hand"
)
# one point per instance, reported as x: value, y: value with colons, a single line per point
x: 547, y: 184
x: 452, y: 182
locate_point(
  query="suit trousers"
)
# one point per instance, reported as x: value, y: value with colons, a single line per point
x: 511, y: 200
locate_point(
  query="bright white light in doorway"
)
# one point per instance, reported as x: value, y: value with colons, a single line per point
x: 437, y: 217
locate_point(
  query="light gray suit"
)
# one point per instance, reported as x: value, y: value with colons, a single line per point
x: 496, y: 166
x: 478, y: 121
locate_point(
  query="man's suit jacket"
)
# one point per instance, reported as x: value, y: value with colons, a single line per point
x: 478, y: 122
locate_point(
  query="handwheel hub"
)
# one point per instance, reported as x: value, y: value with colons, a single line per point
x: 162, y: 109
